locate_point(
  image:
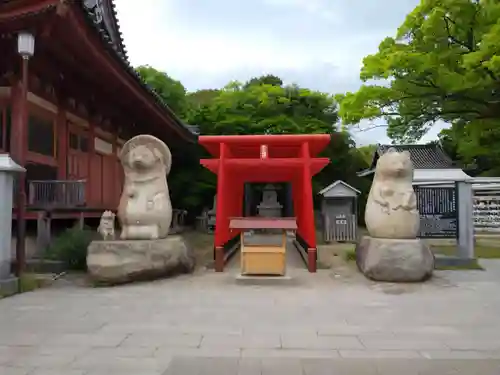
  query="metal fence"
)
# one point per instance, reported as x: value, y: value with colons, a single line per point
x: 342, y: 229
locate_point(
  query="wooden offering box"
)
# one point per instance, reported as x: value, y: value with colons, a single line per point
x: 263, y: 254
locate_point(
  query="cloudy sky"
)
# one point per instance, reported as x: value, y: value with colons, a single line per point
x: 317, y: 44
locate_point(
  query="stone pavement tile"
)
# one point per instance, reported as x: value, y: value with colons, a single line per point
x: 95, y: 361
x: 473, y: 344
x: 352, y: 330
x: 249, y: 366
x: 281, y: 366
x: 61, y: 371
x: 477, y: 367
x: 21, y: 339
x: 250, y: 340
x: 128, y: 352
x: 88, y: 340
x: 44, y: 361
x: 184, y: 366
x: 338, y: 367
x: 187, y: 340
x: 400, y: 343
x: 459, y: 354
x: 219, y: 366
x: 212, y: 352
x: 300, y: 341
x: 370, y: 353
x: 289, y: 353
x: 422, y: 330
x: 14, y: 370
x: 8, y: 353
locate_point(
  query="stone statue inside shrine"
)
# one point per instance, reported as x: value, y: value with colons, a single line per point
x: 392, y: 252
x: 269, y: 207
x: 145, y: 210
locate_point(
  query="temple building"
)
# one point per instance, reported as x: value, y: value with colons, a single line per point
x: 69, y: 99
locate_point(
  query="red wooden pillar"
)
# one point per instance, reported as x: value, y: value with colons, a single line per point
x: 62, y: 144
x: 114, y: 188
x: 90, y: 160
x: 19, y: 148
x: 308, y: 208
x: 220, y: 209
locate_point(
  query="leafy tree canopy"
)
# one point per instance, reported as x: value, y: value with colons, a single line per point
x: 171, y: 91
x: 443, y: 64
x: 266, y: 109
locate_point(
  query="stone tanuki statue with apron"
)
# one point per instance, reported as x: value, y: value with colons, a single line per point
x: 145, y: 210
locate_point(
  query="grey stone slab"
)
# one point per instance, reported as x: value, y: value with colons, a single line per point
x: 61, y: 371
x: 218, y: 366
x: 14, y: 370
x: 473, y: 344
x: 289, y: 353
x: 250, y: 340
x: 183, y: 366
x: 95, y: 361
x: 408, y: 343
x: 338, y: 367
x: 459, y: 354
x: 188, y: 340
x: 281, y: 366
x: 298, y: 341
x: 214, y: 352
x: 87, y: 340
x: 369, y: 353
x: 249, y: 366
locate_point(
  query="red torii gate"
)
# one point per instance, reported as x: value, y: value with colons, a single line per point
x: 264, y: 158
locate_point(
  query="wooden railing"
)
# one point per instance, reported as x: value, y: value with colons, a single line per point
x: 56, y: 194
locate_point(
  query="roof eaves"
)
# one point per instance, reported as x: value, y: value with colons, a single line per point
x: 128, y: 68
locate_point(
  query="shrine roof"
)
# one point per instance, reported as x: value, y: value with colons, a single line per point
x: 426, y: 156
x: 279, y: 146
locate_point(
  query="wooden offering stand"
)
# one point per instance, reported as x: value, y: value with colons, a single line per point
x: 259, y: 258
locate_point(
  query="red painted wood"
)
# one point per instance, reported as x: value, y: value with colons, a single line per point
x: 62, y: 145
x: 289, y: 158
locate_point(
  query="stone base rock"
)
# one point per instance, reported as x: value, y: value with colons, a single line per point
x: 394, y: 260
x: 118, y: 262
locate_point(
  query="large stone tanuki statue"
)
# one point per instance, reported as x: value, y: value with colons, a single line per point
x: 144, y: 250
x: 145, y: 210
x: 391, y: 209
x: 393, y: 252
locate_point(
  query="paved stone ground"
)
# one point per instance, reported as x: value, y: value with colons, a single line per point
x: 207, y: 324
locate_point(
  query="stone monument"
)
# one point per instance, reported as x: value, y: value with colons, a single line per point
x: 269, y: 207
x: 144, y: 250
x: 392, y: 252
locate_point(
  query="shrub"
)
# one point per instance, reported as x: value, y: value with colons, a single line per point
x: 70, y: 247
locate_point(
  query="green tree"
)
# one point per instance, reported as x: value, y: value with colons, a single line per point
x: 268, y: 79
x: 171, y: 91
x: 266, y: 109
x: 443, y: 64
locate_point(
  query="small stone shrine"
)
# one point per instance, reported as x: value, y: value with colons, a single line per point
x: 392, y: 252
x: 269, y: 207
x: 144, y: 250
